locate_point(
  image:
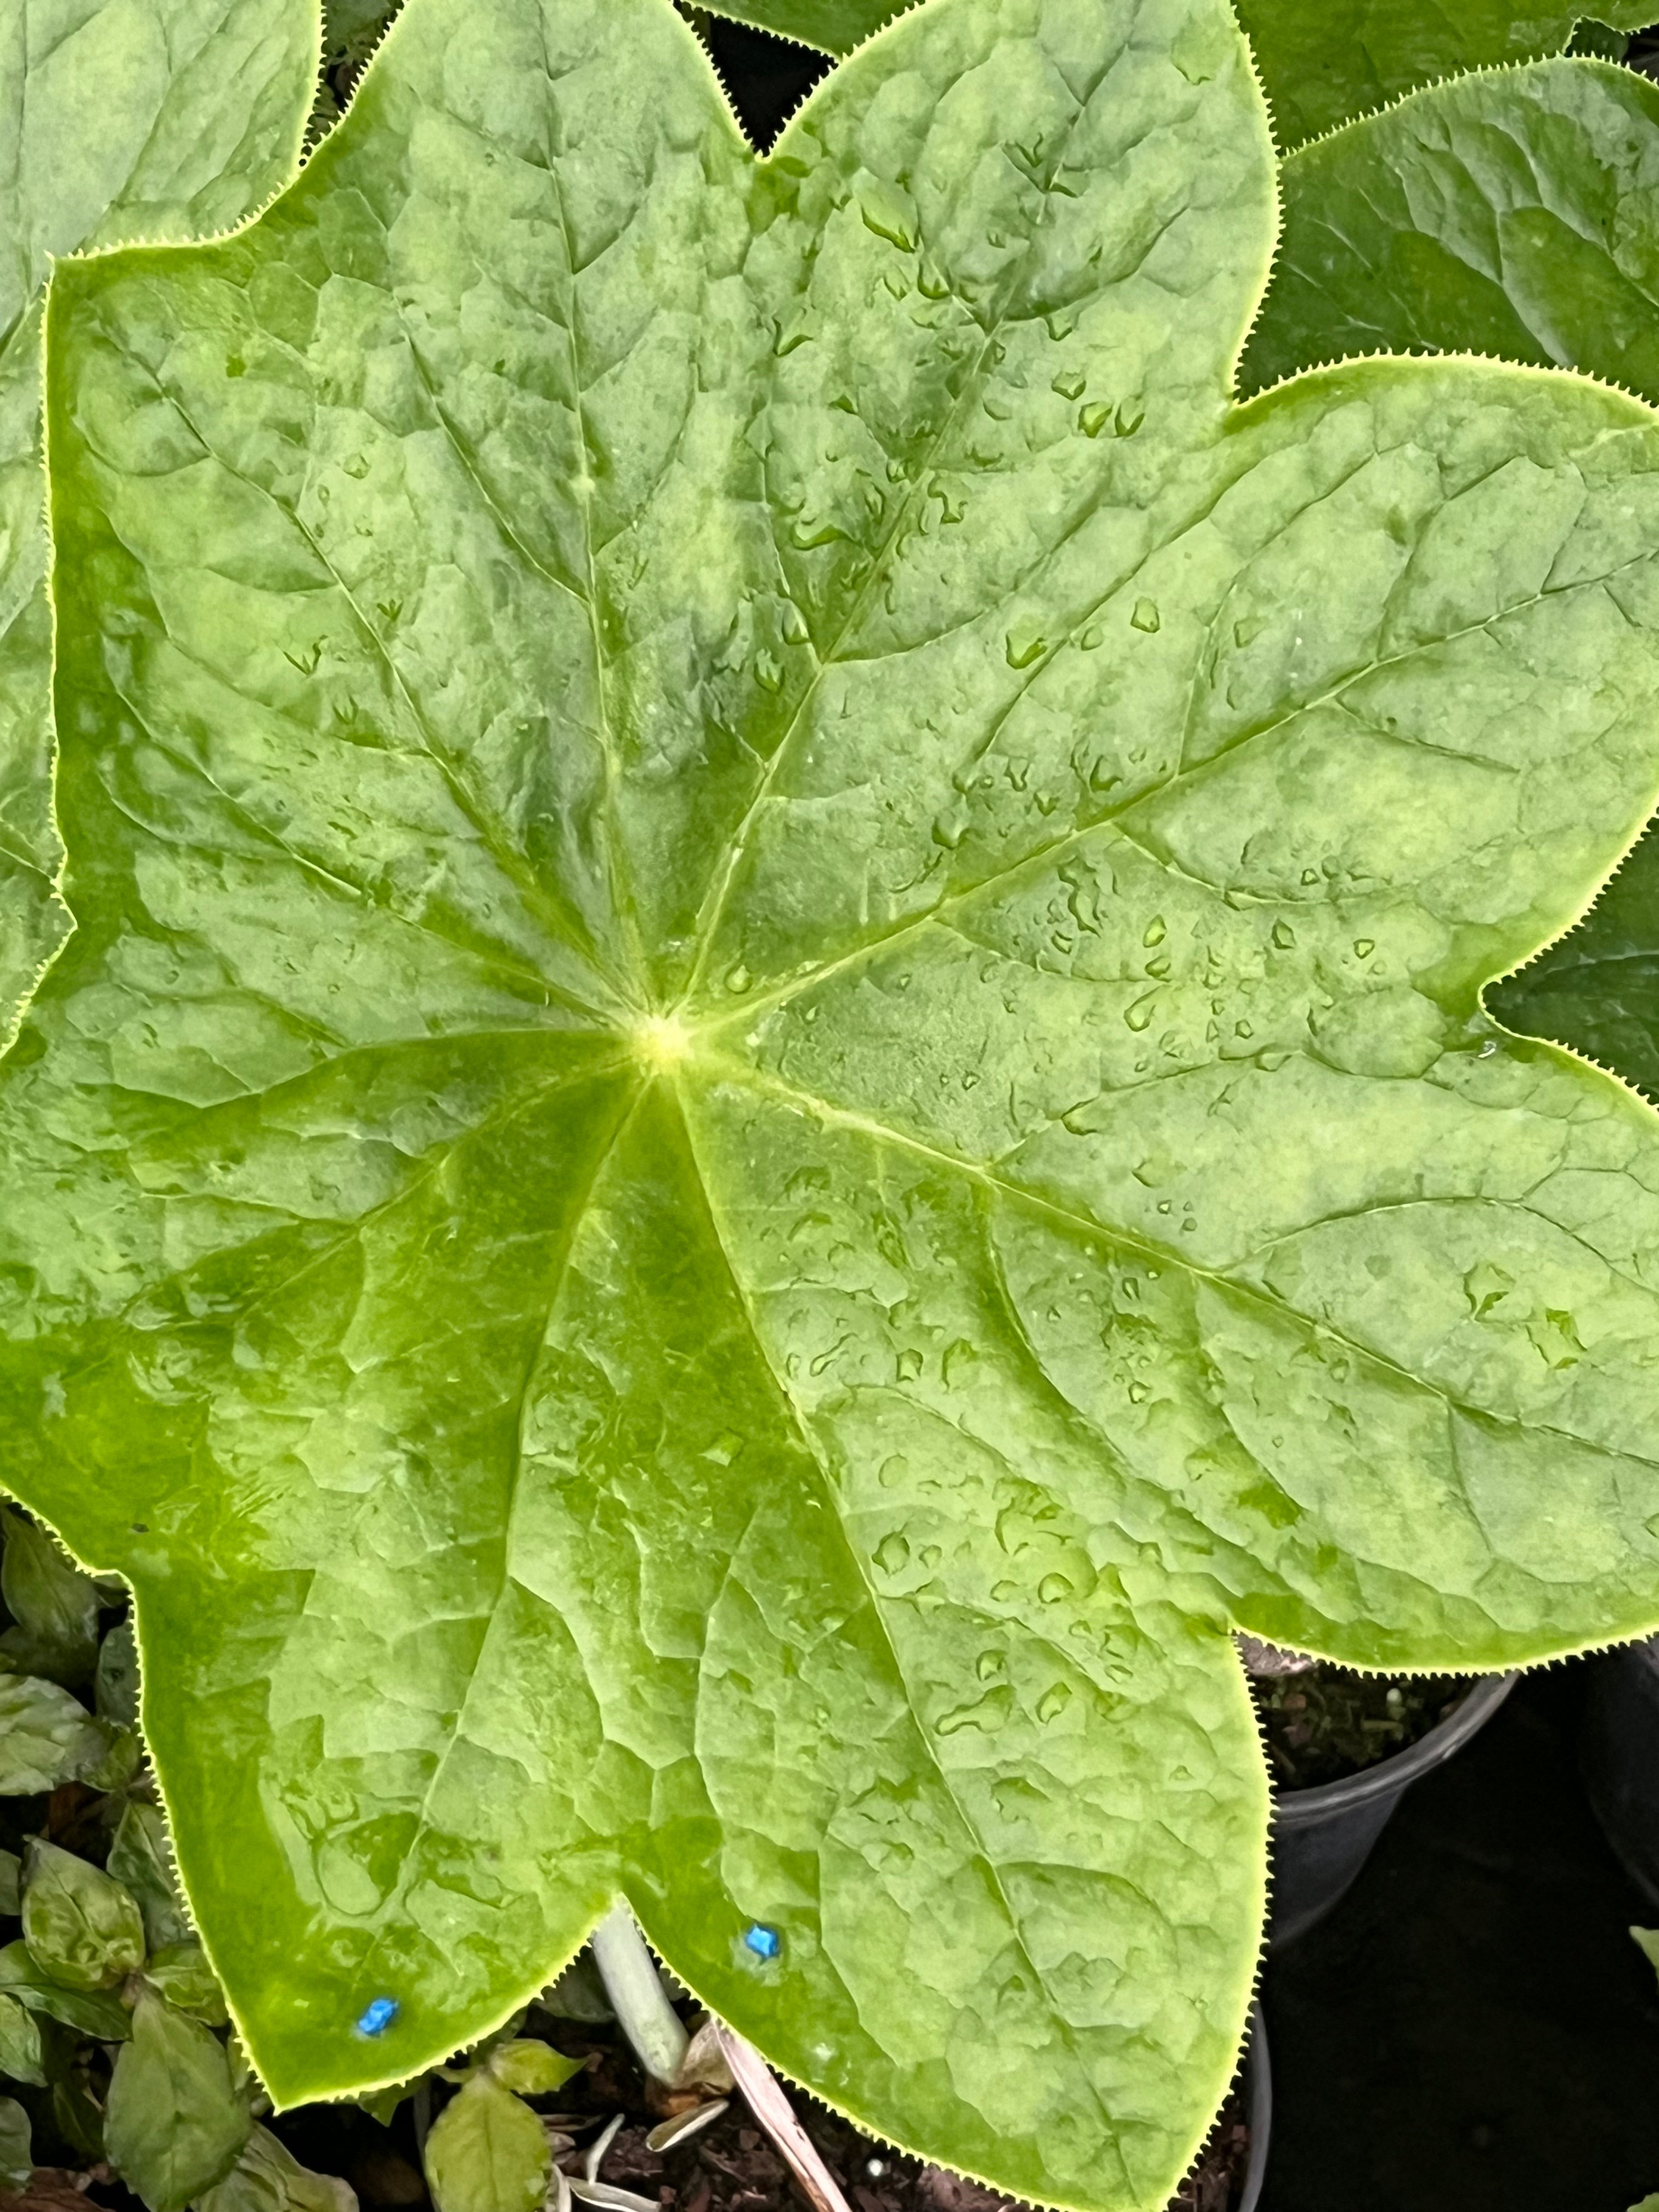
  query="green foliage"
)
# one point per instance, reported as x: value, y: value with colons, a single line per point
x: 487, y: 2151
x: 773, y: 1079
x: 83, y: 1929
x: 89, y: 2012
x: 176, y: 2126
x: 53, y: 1606
x: 1509, y: 215
x: 116, y: 1683
x: 22, y: 2056
x: 1322, y: 65
x: 268, y: 2177
x: 531, y: 2068
x: 140, y: 1859
x: 16, y: 2159
x: 160, y: 119
x: 181, y: 1973
x: 47, y: 1736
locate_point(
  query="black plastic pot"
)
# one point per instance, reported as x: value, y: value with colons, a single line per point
x: 1322, y: 1836
x: 1620, y: 1753
x: 1259, y: 2103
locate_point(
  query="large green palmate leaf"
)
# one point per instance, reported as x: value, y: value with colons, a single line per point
x: 1514, y: 212
x: 119, y: 119
x: 773, y: 1080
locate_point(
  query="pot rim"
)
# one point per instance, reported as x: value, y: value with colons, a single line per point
x: 1301, y: 1808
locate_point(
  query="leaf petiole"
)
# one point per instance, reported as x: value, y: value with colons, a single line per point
x: 643, y: 2012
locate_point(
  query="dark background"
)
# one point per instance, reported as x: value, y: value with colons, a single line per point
x: 1473, y: 2029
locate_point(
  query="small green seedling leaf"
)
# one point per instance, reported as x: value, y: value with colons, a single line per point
x: 115, y: 1686
x: 268, y: 2177
x: 16, y: 2155
x: 140, y: 1859
x: 83, y: 1929
x: 487, y: 2152
x: 117, y: 1762
x: 96, y: 2012
x: 181, y: 1972
x: 530, y: 2067
x: 47, y: 1736
x: 20, y: 2056
x: 175, y: 2124
x: 54, y: 1606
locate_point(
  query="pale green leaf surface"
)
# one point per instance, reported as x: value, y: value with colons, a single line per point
x: 773, y: 1080
x: 531, y: 2068
x: 1322, y: 64
x: 118, y: 119
x: 1515, y: 213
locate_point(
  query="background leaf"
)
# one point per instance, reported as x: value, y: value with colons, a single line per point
x: 268, y: 2177
x: 487, y: 2152
x: 126, y: 118
x: 175, y: 2126
x: 17, y: 2161
x: 1515, y: 214
x: 531, y: 2068
x: 1323, y: 66
x: 140, y: 1859
x: 83, y: 1929
x: 47, y: 1736
x: 90, y: 2012
x: 53, y: 1605
x: 117, y: 1682
x: 20, y: 2044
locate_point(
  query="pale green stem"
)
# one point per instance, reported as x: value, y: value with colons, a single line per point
x: 636, y: 1994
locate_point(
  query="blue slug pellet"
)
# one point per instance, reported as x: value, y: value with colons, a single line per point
x: 377, y: 2016
x: 765, y: 1942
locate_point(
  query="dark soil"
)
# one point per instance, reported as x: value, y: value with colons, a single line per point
x: 1324, y: 1722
